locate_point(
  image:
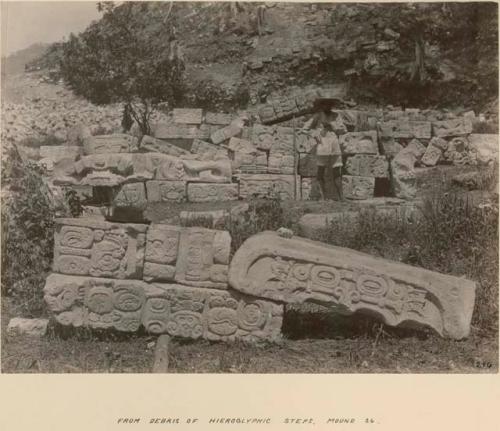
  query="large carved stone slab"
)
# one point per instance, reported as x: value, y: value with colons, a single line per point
x: 367, y: 166
x: 166, y: 191
x: 187, y: 116
x: 153, y: 145
x: 454, y: 127
x: 173, y: 309
x: 263, y: 185
x: 356, y: 187
x: 359, y: 143
x: 201, y: 192
x: 132, y: 196
x: 299, y: 270
x: 109, y: 144
x: 98, y: 248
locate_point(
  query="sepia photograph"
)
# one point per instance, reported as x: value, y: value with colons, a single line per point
x: 249, y: 188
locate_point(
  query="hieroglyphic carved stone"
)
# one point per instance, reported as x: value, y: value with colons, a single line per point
x: 359, y: 143
x: 153, y: 145
x: 201, y: 192
x: 187, y: 116
x: 162, y: 244
x: 367, y: 166
x: 263, y: 185
x: 109, y: 144
x: 98, y: 248
x: 356, y: 187
x: 454, y: 127
x: 166, y: 191
x: 132, y: 195
x: 298, y: 270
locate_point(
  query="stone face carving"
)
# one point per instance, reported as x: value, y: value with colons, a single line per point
x: 263, y: 185
x: 166, y: 191
x: 110, y: 144
x: 359, y: 143
x: 200, y: 192
x: 132, y: 195
x: 98, y: 248
x: 187, y: 116
x: 356, y: 187
x: 207, y: 151
x: 405, y: 129
x: 454, y: 127
x: 153, y: 145
x: 115, y: 169
x: 172, y: 309
x: 300, y: 270
x: 367, y: 166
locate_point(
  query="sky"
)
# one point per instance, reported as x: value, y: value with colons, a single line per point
x: 25, y: 23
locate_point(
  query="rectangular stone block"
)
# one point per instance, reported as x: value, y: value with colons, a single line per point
x: 262, y: 137
x: 108, y: 144
x: 153, y: 145
x: 359, y: 143
x: 174, y: 309
x: 207, y: 151
x: 283, y: 140
x: 281, y: 164
x: 405, y: 129
x: 355, y: 187
x: 178, y: 131
x: 201, y: 192
x: 162, y: 248
x: 221, y: 135
x: 265, y: 186
x: 298, y: 270
x: 451, y: 128
x: 132, y: 196
x: 389, y: 146
x: 246, y: 155
x: 166, y: 191
x: 218, y: 118
x: 98, y: 248
x: 267, y: 114
x: 432, y: 155
x: 367, y: 166
x: 187, y: 116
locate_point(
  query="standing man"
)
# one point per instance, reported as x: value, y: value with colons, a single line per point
x: 328, y: 152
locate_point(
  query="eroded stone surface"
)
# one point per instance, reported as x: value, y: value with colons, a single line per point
x: 359, y: 143
x: 405, y: 129
x: 172, y: 309
x: 453, y: 127
x: 228, y: 132
x: 217, y: 118
x: 262, y: 186
x: 166, y: 191
x: 98, y: 248
x: 153, y: 145
x: 298, y: 270
x: 367, y: 166
x: 279, y: 163
x: 356, y: 187
x: 207, y: 151
x: 201, y: 192
x: 108, y: 144
x: 132, y: 195
x: 431, y: 156
x: 187, y: 116
x: 31, y: 327
x: 246, y: 155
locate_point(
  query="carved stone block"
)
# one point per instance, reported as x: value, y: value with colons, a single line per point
x: 201, y: 192
x: 207, y: 151
x: 153, y: 145
x: 359, y: 143
x: 98, y: 248
x: 356, y: 187
x: 218, y: 118
x: 281, y: 163
x: 108, y: 144
x: 55, y: 153
x: 262, y: 137
x: 132, y: 195
x: 267, y: 185
x: 228, y: 132
x: 246, y: 155
x: 166, y: 191
x: 187, y: 116
x: 162, y: 245
x: 298, y: 270
x: 405, y: 129
x: 486, y: 147
x: 180, y: 131
x: 367, y: 166
x: 454, y: 127
x: 432, y: 155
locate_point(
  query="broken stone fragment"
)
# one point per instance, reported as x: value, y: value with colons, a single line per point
x: 29, y: 327
x: 367, y: 166
x: 359, y: 143
x: 298, y: 270
x: 453, y: 127
x: 358, y: 187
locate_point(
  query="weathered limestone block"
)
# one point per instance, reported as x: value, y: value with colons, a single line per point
x: 209, y: 171
x: 246, y: 155
x: 486, y: 147
x: 266, y: 185
x: 356, y: 187
x: 405, y: 129
x: 359, y: 143
x: 404, y: 180
x: 30, y: 327
x: 389, y: 146
x: 432, y: 155
x: 166, y: 191
x: 299, y: 270
x: 283, y: 141
x: 204, y: 192
x: 132, y: 195
x: 281, y: 163
x: 173, y: 309
x: 459, y: 152
x: 228, y: 132
x: 453, y: 127
x: 162, y: 247
x: 416, y: 147
x: 110, y: 144
x: 98, y: 248
x: 207, y: 151
x: 367, y: 166
x: 262, y: 137
x: 285, y: 108
x: 187, y: 116
x: 180, y: 131
x: 153, y: 145
x: 218, y: 118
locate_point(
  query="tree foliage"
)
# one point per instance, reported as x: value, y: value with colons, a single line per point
x: 131, y: 55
